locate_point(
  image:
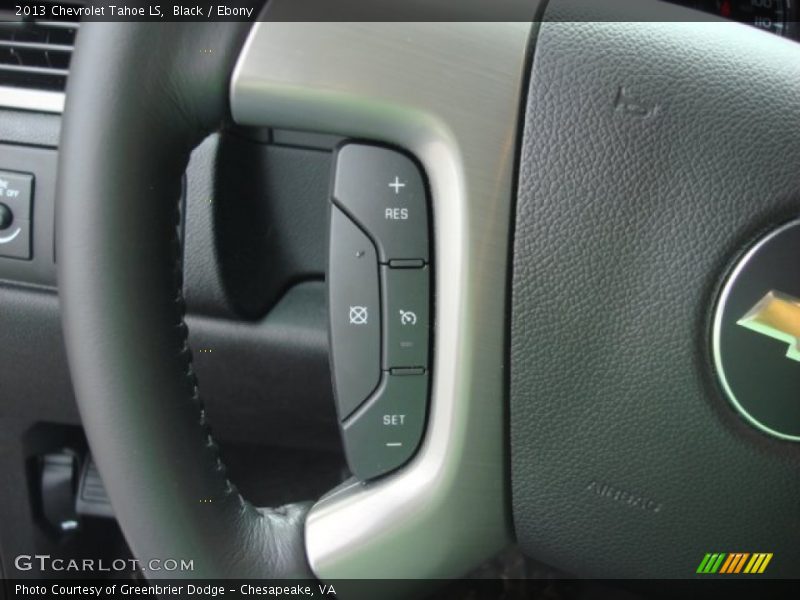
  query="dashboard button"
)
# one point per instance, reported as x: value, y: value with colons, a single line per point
x: 386, y: 431
x: 355, y: 319
x: 384, y: 192
x: 16, y: 191
x: 15, y: 241
x: 6, y: 217
x: 405, y: 317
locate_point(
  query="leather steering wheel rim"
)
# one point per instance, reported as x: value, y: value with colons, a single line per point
x: 131, y: 121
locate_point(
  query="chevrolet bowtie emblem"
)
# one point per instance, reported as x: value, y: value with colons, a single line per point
x: 759, y: 382
x: 776, y: 315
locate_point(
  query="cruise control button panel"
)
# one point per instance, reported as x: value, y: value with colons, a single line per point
x: 379, y: 282
x: 384, y: 192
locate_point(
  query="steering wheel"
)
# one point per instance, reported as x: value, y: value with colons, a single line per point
x: 595, y: 186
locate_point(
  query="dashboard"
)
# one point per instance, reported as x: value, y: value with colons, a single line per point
x: 776, y: 16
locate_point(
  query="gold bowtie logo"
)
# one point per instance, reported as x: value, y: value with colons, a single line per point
x: 776, y: 315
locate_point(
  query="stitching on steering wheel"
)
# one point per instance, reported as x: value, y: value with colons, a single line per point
x: 191, y: 377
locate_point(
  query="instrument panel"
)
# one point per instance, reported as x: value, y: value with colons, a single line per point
x: 776, y: 16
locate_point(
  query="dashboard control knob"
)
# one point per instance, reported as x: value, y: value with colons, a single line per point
x: 6, y: 217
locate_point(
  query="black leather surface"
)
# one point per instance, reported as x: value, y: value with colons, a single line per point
x: 139, y: 98
x: 255, y: 222
x: 271, y: 216
x: 203, y: 285
x: 653, y: 153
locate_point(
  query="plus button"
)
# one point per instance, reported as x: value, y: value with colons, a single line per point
x: 396, y: 185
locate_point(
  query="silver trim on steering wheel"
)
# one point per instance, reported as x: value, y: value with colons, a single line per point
x: 450, y: 94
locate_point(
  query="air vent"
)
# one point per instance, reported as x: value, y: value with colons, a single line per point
x: 36, y: 53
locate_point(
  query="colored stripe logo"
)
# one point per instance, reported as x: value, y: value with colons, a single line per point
x: 734, y: 563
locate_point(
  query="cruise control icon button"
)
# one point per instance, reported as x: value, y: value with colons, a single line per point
x: 408, y: 317
x: 756, y: 334
x: 359, y: 315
